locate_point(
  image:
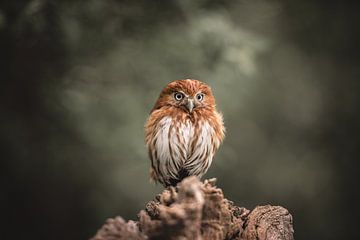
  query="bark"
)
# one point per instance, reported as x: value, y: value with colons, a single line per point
x: 196, y: 210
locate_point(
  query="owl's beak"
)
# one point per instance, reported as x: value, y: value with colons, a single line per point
x: 190, y: 105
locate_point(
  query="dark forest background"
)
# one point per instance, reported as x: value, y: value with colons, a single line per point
x: 78, y: 79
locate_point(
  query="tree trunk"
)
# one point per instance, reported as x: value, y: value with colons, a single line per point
x: 196, y: 210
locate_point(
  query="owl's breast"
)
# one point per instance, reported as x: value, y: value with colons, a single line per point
x: 175, y: 145
x: 193, y: 138
x: 184, y: 131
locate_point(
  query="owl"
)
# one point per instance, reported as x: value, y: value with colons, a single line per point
x: 183, y: 132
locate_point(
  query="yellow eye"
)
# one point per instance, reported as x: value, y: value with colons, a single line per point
x: 200, y: 97
x: 178, y: 96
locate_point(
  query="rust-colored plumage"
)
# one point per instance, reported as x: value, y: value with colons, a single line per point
x: 183, y: 131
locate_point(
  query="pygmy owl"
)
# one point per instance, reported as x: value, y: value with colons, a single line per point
x: 183, y: 131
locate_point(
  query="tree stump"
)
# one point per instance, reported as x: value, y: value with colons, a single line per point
x: 196, y: 210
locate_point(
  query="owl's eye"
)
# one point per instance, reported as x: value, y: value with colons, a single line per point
x: 178, y: 96
x: 200, y: 96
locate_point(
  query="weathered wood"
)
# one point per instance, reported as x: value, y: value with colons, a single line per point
x: 196, y: 210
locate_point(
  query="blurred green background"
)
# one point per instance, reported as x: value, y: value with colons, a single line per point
x: 78, y: 79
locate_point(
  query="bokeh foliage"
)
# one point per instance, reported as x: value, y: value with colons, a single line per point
x: 78, y: 79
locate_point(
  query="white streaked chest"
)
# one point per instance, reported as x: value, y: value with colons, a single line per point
x: 174, y: 136
x: 181, y: 140
x: 185, y: 130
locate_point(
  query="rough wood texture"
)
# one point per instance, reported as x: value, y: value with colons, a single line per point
x: 196, y: 210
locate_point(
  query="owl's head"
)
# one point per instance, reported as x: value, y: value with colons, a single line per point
x: 188, y: 95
